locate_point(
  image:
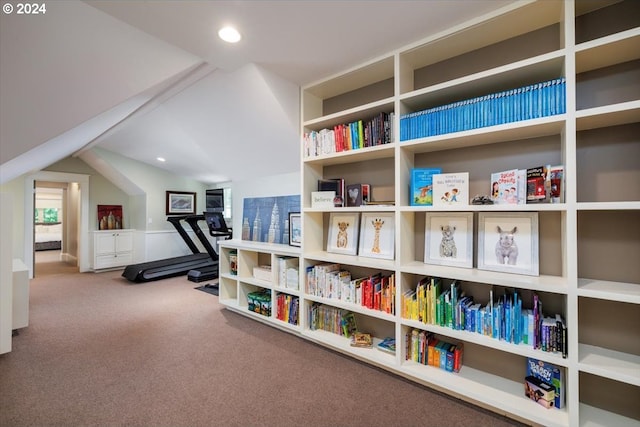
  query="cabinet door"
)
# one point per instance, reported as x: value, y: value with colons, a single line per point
x: 104, y: 243
x: 124, y: 242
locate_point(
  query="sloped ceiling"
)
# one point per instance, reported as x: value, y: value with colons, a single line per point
x: 112, y: 74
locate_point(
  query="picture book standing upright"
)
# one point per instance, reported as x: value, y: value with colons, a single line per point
x: 451, y: 189
x: 421, y: 192
x: 504, y: 187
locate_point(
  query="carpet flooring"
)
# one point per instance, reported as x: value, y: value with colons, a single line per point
x: 100, y: 351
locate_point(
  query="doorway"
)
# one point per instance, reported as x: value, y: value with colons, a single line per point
x: 52, y: 231
x: 75, y: 239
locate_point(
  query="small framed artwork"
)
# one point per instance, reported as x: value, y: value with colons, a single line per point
x: 508, y: 242
x: 377, y: 235
x: 449, y: 239
x: 295, y: 229
x: 181, y: 203
x: 343, y: 233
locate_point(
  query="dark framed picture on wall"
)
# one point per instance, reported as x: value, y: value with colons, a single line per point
x: 295, y: 229
x: 181, y: 203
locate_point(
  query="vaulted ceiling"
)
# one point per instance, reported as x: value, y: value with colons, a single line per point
x: 147, y: 79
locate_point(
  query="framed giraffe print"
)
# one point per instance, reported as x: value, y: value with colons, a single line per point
x: 449, y: 239
x: 377, y: 235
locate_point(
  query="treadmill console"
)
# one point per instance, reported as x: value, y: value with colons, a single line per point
x: 217, y: 224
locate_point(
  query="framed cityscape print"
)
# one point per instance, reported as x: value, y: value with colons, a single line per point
x: 343, y: 233
x: 508, y: 242
x: 377, y: 235
x: 449, y: 239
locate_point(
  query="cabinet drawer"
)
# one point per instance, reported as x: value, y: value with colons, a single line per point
x: 113, y: 260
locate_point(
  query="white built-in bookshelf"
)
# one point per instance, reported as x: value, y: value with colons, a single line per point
x: 589, y: 269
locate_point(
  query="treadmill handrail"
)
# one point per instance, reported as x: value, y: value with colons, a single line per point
x: 175, y: 220
x: 192, y: 220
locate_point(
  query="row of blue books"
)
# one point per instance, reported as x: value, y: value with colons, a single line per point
x: 524, y: 103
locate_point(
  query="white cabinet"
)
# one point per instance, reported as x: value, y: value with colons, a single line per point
x: 112, y: 248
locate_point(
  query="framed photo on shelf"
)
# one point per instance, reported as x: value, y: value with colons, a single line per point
x: 508, y: 242
x: 181, y: 203
x: 343, y: 233
x: 449, y: 239
x: 295, y: 229
x: 377, y: 235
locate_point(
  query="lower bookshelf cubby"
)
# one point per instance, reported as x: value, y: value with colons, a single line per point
x: 286, y: 308
x: 489, y: 377
x: 228, y: 289
x: 619, y: 399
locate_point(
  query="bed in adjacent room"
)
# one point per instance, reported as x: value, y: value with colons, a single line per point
x: 48, y: 236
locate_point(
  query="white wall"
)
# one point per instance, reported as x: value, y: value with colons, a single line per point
x: 6, y: 273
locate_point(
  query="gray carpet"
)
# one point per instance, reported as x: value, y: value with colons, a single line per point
x: 100, y: 351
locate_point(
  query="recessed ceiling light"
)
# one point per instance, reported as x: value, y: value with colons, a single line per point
x: 229, y: 34
x: 160, y: 159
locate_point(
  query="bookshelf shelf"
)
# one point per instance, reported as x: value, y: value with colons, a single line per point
x: 356, y: 113
x: 383, y: 151
x: 608, y: 290
x: 588, y: 244
x: 608, y: 115
x: 607, y: 51
x: 479, y: 339
x: 342, y: 344
x: 623, y: 367
x: 496, y: 391
x: 542, y: 283
x: 598, y: 417
x: 352, y: 307
x: 508, y: 132
x: 510, y: 76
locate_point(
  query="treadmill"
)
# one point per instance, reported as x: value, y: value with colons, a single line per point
x: 171, y: 267
x: 217, y: 228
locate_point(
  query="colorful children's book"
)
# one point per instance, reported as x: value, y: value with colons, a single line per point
x: 388, y: 345
x: 537, y: 184
x: 451, y: 189
x: 556, y: 179
x: 421, y: 192
x: 504, y: 187
x: 349, y: 326
x: 550, y: 374
x: 539, y: 391
x: 361, y: 339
